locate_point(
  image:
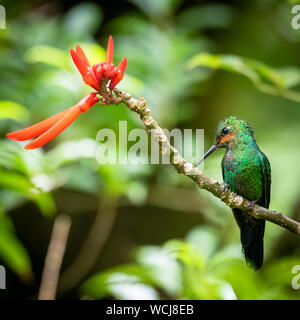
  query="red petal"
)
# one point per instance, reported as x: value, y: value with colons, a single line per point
x: 87, y: 102
x: 123, y: 64
x: 84, y: 68
x: 105, y: 70
x: 90, y: 79
x: 110, y: 68
x: 116, y: 79
x: 97, y: 71
x: 82, y: 55
x: 81, y: 64
x: 36, y: 129
x: 56, y: 129
x: 118, y: 73
x: 51, y: 127
x: 110, y: 50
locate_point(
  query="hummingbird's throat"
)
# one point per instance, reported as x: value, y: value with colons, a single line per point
x: 230, y: 137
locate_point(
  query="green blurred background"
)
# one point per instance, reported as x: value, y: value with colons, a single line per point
x: 144, y: 231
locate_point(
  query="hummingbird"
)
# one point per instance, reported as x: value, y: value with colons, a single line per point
x: 246, y: 171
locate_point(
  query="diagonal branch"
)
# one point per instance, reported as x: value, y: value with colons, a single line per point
x: 182, y: 166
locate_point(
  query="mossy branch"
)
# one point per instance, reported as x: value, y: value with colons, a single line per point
x: 230, y: 198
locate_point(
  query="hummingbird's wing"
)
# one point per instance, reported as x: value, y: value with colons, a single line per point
x: 266, y: 180
x: 252, y: 229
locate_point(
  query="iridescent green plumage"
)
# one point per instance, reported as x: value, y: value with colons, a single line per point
x: 246, y: 171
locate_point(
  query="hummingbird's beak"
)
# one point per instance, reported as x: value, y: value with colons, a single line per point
x: 210, y: 151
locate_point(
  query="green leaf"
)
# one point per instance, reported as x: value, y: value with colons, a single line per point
x: 59, y: 58
x: 13, y: 110
x: 206, y: 238
x: 49, y: 55
x: 244, y: 281
x: 291, y: 76
x: 46, y: 203
x: 122, y: 282
x: 265, y: 78
x: 21, y: 184
x: 12, y: 157
x: 187, y: 253
x: 16, y: 182
x: 12, y: 251
x: 127, y: 287
x: 162, y: 267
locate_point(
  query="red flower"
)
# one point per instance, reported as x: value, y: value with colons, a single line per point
x: 48, y: 129
x: 84, y: 68
x: 107, y: 71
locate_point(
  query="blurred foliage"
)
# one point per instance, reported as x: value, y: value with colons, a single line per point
x: 195, y: 268
x: 177, y: 52
x: 256, y: 71
x: 12, y: 251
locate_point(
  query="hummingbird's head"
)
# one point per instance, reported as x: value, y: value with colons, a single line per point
x: 230, y: 131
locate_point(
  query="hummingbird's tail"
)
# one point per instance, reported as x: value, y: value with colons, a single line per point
x: 252, y: 238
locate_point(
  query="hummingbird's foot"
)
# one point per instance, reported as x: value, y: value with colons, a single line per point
x: 225, y: 187
x: 251, y: 205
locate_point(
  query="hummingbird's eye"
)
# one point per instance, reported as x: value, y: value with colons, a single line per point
x: 225, y: 131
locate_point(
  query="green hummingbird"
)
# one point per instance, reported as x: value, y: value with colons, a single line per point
x: 247, y: 172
